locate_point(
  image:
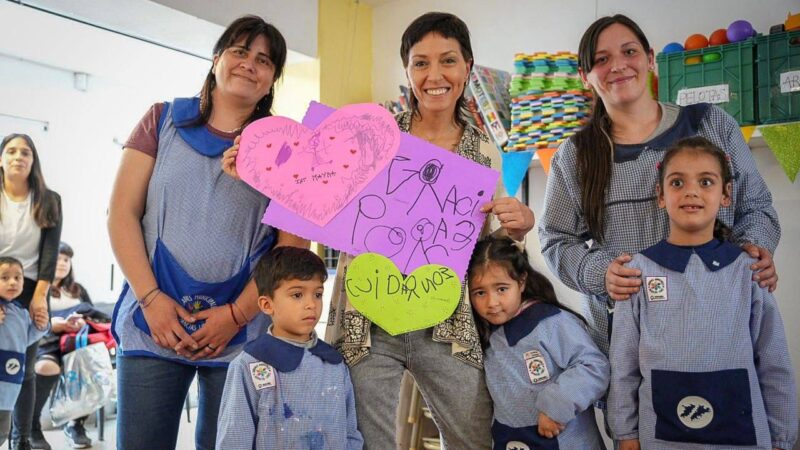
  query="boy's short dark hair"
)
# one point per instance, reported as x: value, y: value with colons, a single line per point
x: 287, y: 263
x: 11, y: 261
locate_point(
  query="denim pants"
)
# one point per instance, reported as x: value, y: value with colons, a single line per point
x: 455, y: 391
x: 151, y: 395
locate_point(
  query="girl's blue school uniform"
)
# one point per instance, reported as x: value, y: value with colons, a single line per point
x: 280, y: 396
x: 543, y: 360
x: 17, y: 332
x: 699, y: 355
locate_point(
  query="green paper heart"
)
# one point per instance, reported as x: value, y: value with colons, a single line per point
x: 399, y: 304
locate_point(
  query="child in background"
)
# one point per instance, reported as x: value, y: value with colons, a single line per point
x: 542, y: 369
x: 17, y: 332
x: 288, y: 389
x: 699, y: 355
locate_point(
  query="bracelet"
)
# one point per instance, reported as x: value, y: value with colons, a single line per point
x: 246, y: 320
x: 143, y: 303
x: 233, y: 316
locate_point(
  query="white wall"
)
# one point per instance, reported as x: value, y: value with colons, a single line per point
x: 501, y: 28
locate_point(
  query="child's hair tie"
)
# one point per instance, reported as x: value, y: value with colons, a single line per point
x: 519, y: 244
x: 658, y: 165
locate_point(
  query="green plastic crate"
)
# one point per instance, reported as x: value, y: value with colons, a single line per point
x: 778, y: 53
x: 735, y: 68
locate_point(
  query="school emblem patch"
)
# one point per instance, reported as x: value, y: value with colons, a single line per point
x: 262, y: 374
x: 517, y: 445
x: 536, y: 366
x: 12, y: 366
x: 195, y: 304
x: 695, y: 412
x: 656, y: 288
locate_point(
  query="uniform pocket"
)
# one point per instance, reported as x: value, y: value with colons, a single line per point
x: 703, y: 407
x: 523, y: 438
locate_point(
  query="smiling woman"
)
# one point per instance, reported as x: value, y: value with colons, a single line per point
x: 600, y: 204
x: 188, y: 305
x: 446, y: 360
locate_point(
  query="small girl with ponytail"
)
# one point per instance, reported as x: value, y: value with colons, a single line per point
x: 699, y: 354
x: 543, y: 371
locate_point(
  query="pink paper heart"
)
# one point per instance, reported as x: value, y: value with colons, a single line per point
x: 315, y: 173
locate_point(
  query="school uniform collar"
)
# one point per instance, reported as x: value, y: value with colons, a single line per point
x: 522, y: 325
x: 715, y: 254
x: 285, y: 357
x: 185, y: 113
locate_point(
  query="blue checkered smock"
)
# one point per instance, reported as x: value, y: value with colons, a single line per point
x: 633, y: 220
x: 699, y: 357
x: 543, y: 360
x: 279, y: 396
x: 17, y: 332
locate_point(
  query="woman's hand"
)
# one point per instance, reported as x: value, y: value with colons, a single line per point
x: 515, y: 218
x: 229, y: 159
x: 621, y: 281
x: 629, y: 444
x: 764, y: 269
x: 548, y: 427
x: 161, y: 315
x: 214, y: 335
x: 38, y: 310
x: 72, y: 324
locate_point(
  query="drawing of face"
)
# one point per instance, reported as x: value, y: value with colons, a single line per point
x: 423, y: 230
x: 430, y: 171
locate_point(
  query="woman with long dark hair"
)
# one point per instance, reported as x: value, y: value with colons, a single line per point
x: 30, y: 229
x: 600, y: 203
x: 186, y: 238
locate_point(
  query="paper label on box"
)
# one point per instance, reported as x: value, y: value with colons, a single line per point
x: 719, y: 93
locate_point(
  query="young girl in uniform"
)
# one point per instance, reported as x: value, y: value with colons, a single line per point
x: 699, y: 354
x: 542, y: 368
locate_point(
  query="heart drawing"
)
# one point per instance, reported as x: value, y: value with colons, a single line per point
x: 315, y: 173
x: 398, y: 304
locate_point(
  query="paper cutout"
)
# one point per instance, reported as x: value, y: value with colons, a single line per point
x: 545, y: 156
x: 316, y: 172
x: 515, y: 167
x: 377, y: 289
x: 424, y: 208
x: 747, y: 133
x: 782, y: 140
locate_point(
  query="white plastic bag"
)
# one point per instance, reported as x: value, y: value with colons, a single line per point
x: 86, y: 382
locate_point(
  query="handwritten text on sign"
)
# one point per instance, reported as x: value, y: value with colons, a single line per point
x: 790, y: 82
x: 424, y: 208
x: 707, y: 94
x: 401, y: 304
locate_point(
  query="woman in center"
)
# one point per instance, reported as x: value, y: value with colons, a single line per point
x: 446, y: 361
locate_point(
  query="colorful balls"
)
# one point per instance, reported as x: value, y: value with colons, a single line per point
x: 693, y: 60
x: 718, y: 37
x: 672, y: 47
x: 711, y: 57
x: 695, y: 41
x: 740, y: 30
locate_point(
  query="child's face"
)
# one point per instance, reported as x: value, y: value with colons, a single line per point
x: 693, y: 192
x: 495, y: 296
x: 10, y: 281
x: 295, y: 308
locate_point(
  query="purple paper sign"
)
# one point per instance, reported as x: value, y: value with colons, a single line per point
x: 424, y: 208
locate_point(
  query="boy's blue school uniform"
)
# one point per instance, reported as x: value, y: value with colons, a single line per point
x: 543, y: 360
x: 699, y: 355
x: 17, y: 332
x: 280, y: 396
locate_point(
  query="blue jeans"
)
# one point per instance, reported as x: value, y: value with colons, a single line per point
x: 151, y: 395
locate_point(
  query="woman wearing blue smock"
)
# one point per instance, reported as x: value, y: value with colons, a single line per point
x: 186, y: 237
